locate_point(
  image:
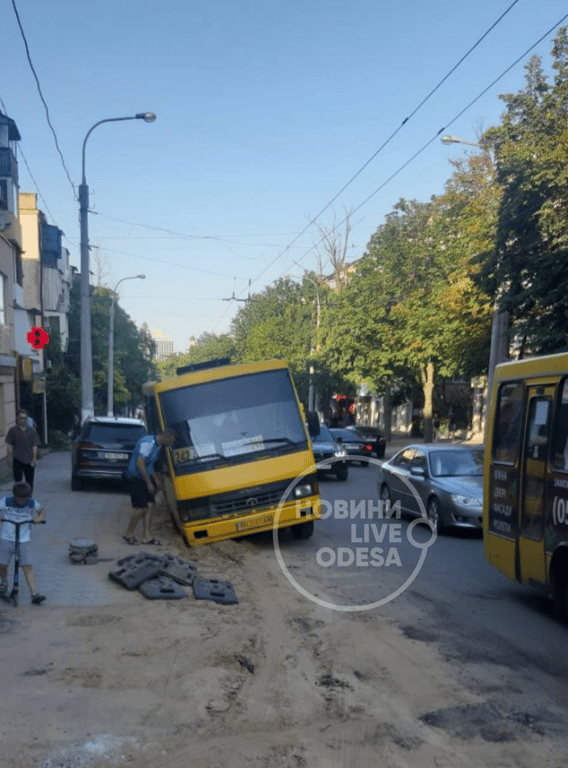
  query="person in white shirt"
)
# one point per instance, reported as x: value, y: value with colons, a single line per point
x: 18, y: 507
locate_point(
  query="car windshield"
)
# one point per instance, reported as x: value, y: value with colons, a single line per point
x: 324, y: 436
x: 114, y: 434
x: 233, y: 420
x: 347, y: 435
x: 458, y: 463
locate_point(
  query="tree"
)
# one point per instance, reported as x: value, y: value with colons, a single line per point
x: 411, y: 311
x: 334, y: 242
x: 207, y: 347
x: 526, y: 267
x: 63, y: 388
x: 133, y: 349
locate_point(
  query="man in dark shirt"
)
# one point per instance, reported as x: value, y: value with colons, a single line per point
x: 22, y: 443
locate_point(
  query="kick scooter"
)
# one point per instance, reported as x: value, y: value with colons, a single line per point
x: 13, y: 596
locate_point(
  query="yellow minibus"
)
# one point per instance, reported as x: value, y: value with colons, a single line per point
x: 241, y: 445
x: 525, y: 499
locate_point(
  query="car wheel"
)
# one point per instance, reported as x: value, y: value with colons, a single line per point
x: 342, y: 474
x: 76, y: 483
x: 303, y: 530
x: 385, y: 497
x: 381, y: 452
x: 434, y: 513
x: 364, y: 463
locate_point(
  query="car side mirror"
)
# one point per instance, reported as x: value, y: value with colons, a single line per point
x: 418, y: 471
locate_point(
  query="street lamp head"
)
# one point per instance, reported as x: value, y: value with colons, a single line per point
x: 450, y: 140
x: 149, y: 117
x: 141, y: 277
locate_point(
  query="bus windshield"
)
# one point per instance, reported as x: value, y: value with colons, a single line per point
x: 233, y: 420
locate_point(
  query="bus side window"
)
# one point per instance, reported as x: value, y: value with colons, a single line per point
x: 508, y: 422
x: 559, y: 456
x: 537, y: 432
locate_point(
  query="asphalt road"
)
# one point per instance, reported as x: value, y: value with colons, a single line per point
x: 502, y: 636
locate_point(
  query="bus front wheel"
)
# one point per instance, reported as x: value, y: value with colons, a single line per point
x: 303, y: 530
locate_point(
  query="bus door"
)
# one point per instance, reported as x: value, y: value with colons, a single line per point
x: 531, y: 546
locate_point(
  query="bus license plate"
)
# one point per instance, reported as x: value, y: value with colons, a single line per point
x: 256, y: 523
x: 117, y: 456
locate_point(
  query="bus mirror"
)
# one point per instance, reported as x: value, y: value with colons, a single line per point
x: 313, y: 423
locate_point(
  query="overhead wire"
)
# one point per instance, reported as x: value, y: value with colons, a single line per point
x: 41, y: 95
x: 441, y: 130
x: 391, y: 137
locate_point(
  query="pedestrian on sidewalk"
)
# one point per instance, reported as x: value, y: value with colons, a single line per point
x: 22, y: 443
x: 143, y: 481
x: 17, y: 507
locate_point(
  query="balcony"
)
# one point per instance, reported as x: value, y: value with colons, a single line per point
x: 50, y: 245
x: 8, y: 165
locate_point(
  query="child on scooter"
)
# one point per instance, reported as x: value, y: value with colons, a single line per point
x: 19, y: 506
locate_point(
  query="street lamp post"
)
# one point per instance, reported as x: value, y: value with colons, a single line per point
x: 87, y: 406
x: 110, y: 385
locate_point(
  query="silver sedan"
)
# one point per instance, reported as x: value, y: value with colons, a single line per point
x: 448, y: 480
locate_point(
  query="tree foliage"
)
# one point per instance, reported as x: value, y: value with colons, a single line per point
x: 526, y: 265
x: 207, y: 347
x: 133, y: 350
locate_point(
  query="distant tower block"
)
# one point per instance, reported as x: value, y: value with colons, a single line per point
x: 164, y: 344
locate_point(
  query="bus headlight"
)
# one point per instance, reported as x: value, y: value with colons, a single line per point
x: 302, y: 490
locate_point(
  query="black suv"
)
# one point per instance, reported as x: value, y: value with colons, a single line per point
x: 103, y: 449
x: 325, y: 449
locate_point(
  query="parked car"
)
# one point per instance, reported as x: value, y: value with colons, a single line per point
x: 325, y: 448
x: 447, y: 478
x: 373, y: 436
x: 103, y: 449
x: 357, y: 449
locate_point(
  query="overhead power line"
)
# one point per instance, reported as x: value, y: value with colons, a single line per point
x: 441, y: 130
x: 41, y: 95
x: 391, y: 137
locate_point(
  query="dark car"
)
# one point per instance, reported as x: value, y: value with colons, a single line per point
x: 326, y: 448
x: 373, y: 436
x: 448, y: 479
x: 103, y: 449
x: 357, y: 449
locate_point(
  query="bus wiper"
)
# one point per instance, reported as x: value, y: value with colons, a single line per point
x: 275, y: 440
x: 197, y: 459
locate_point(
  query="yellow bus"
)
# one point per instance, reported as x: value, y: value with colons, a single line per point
x: 525, y: 507
x: 241, y: 442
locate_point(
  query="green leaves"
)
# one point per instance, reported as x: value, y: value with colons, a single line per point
x: 527, y: 263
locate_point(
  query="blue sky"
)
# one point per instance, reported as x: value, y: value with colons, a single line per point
x: 265, y: 110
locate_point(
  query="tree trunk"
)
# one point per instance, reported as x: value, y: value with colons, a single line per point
x: 427, y: 373
x: 387, y: 416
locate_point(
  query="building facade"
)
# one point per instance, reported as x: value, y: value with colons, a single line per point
x: 11, y: 276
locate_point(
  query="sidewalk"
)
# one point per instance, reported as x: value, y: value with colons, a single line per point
x: 99, y: 514
x: 400, y: 441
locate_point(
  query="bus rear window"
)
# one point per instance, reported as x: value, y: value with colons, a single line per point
x: 508, y: 422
